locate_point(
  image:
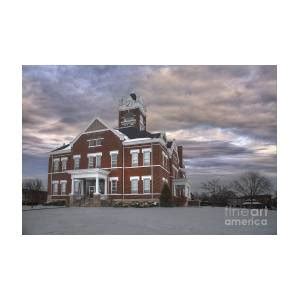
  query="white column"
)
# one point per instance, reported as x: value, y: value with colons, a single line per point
x: 105, y: 186
x: 82, y: 187
x: 97, y: 185
x: 72, y: 186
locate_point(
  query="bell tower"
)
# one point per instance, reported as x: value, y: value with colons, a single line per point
x: 132, y: 112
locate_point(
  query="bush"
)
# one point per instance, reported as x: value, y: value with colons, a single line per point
x: 31, y: 202
x: 137, y: 204
x: 56, y: 203
x: 166, y: 196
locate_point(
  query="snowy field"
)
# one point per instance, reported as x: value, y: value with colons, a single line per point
x: 108, y: 220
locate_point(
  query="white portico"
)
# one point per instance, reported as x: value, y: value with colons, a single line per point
x: 182, y: 188
x: 92, y: 181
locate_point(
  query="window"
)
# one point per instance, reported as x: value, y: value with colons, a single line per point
x: 94, y: 143
x: 114, y: 158
x: 64, y: 164
x: 134, y: 159
x: 146, y: 156
x: 77, y: 187
x: 98, y: 161
x: 63, y: 187
x: 56, y: 165
x: 146, y: 185
x: 114, y: 186
x: 76, y: 162
x: 134, y: 185
x: 55, y: 188
x: 91, y: 162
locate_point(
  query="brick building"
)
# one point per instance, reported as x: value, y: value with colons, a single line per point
x: 124, y: 164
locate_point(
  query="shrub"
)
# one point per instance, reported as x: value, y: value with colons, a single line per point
x: 136, y: 204
x: 56, y: 203
x: 166, y: 196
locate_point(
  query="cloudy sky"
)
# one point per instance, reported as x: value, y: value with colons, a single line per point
x: 224, y: 116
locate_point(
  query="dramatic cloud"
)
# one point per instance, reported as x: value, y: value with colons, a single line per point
x: 225, y: 116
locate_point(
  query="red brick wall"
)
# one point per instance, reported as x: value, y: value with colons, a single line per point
x: 111, y: 142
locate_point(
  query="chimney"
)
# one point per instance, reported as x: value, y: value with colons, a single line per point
x: 179, y: 150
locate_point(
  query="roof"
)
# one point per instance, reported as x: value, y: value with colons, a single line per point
x: 61, y: 147
x: 135, y: 133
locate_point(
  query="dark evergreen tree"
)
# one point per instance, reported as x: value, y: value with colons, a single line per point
x: 166, y: 196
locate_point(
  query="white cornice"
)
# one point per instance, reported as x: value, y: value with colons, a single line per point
x: 144, y: 141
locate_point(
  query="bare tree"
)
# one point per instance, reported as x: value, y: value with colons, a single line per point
x: 251, y: 184
x: 218, y: 194
x: 32, y: 184
x: 212, y: 187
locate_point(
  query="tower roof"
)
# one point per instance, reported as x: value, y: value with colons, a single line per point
x: 131, y: 102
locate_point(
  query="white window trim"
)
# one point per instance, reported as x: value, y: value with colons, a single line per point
x: 114, y: 152
x: 76, y: 158
x: 111, y: 153
x: 55, y: 183
x: 111, y: 186
x: 146, y: 150
x: 92, y: 165
x: 94, y: 154
x: 150, y: 158
x: 98, y: 155
x: 113, y: 178
x: 97, y: 139
x: 135, y: 151
x: 64, y: 160
x: 56, y: 166
x: 61, y: 183
x: 133, y: 178
x: 149, y: 178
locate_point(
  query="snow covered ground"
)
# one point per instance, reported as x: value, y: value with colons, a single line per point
x: 108, y: 220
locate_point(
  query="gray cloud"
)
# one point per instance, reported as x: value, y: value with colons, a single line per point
x: 226, y: 114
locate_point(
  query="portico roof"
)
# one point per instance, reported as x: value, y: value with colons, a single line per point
x: 88, y: 173
x: 181, y: 181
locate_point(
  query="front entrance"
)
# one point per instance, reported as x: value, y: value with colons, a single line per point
x: 91, y: 191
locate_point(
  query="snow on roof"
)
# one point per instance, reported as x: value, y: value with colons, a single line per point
x: 139, y: 139
x: 63, y: 147
x: 134, y: 133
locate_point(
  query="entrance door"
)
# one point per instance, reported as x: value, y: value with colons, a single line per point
x: 91, y: 190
